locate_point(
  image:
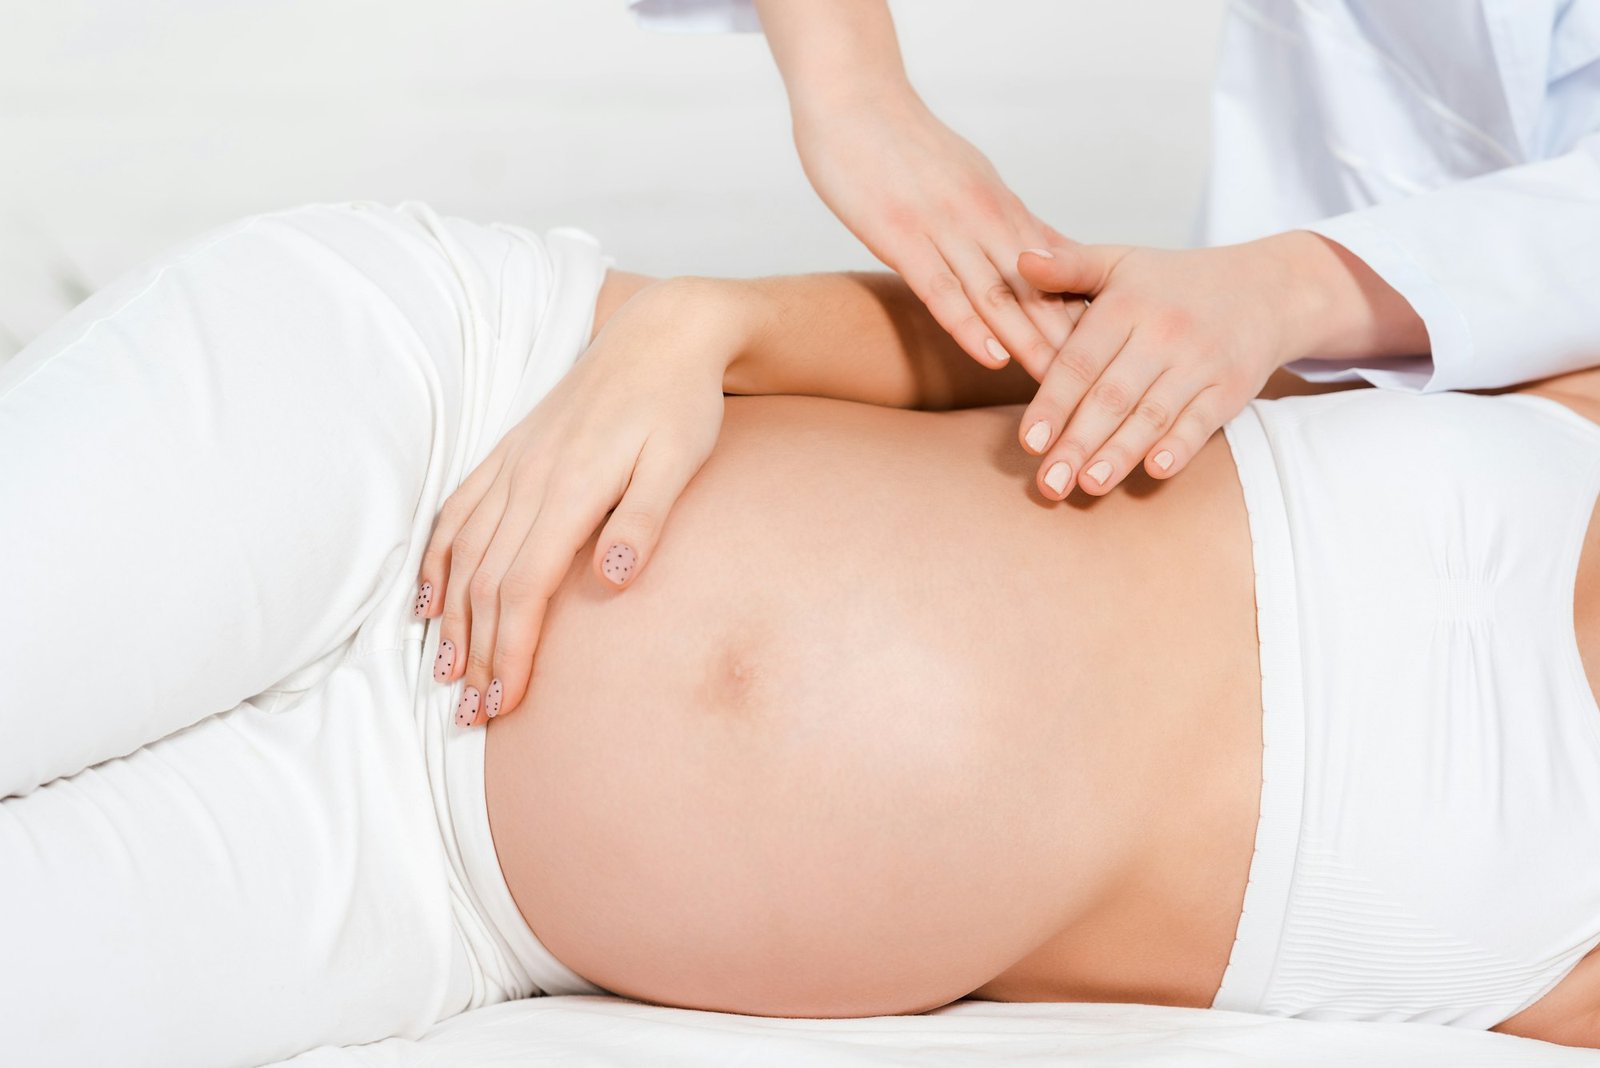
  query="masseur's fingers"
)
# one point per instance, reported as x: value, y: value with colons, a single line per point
x: 1071, y: 268
x: 936, y: 284
x: 1202, y: 417
x: 996, y: 302
x: 1099, y: 336
x: 1135, y: 439
x: 1051, y: 314
x: 1114, y: 397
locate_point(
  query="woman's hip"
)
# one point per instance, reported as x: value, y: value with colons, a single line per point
x: 234, y: 454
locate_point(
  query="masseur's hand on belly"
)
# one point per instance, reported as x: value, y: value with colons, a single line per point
x: 1175, y: 344
x: 920, y: 196
x: 932, y: 207
x: 624, y: 431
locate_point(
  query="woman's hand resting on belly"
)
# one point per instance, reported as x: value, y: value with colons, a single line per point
x: 624, y: 432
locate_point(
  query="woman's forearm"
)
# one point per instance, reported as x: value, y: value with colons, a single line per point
x: 855, y: 336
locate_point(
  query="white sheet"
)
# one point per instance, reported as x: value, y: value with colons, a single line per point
x: 605, y: 1031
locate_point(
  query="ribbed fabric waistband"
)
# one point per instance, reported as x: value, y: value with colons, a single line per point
x: 1255, y: 945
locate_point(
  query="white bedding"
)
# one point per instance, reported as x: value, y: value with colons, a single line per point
x: 612, y: 1031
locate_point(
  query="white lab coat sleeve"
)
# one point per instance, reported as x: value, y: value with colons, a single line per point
x: 1504, y: 270
x: 697, y: 16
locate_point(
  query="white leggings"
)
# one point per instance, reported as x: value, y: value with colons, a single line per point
x: 238, y: 821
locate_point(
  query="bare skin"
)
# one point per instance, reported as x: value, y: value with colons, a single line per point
x: 810, y: 764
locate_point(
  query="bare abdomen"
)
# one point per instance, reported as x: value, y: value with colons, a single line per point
x: 877, y: 724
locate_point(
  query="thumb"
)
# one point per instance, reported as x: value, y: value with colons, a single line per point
x: 1070, y: 268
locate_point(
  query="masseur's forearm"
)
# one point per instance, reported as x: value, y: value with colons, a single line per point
x: 1347, y: 312
x: 832, y: 53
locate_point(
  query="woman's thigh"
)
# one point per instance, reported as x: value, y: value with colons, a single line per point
x: 221, y: 471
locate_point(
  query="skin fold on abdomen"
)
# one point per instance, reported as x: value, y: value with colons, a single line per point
x: 878, y: 727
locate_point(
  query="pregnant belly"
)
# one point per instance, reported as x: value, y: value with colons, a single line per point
x: 878, y: 726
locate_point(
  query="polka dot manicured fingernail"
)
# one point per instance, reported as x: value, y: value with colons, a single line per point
x: 618, y: 564
x: 419, y: 607
x: 444, y: 661
x: 467, y: 707
x: 491, y: 700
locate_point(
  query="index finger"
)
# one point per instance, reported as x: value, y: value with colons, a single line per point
x: 988, y: 289
x: 935, y: 283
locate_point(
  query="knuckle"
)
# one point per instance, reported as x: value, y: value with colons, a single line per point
x: 971, y: 325
x: 641, y: 524
x: 944, y: 284
x: 1116, y: 453
x: 464, y: 546
x: 1072, y: 450
x: 999, y: 295
x: 479, y: 661
x: 1196, y: 421
x: 484, y: 587
x: 1153, y: 414
x: 1076, y: 370
x: 1113, y: 397
x: 1039, y: 352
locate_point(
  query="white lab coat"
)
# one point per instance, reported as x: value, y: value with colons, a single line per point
x: 1453, y: 145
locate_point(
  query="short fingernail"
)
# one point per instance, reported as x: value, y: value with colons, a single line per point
x: 1038, y: 436
x: 1043, y: 253
x: 1164, y: 460
x: 618, y: 564
x: 467, y: 707
x: 1100, y: 472
x: 444, y: 660
x: 419, y: 607
x: 491, y: 700
x: 1058, y: 476
x: 995, y: 351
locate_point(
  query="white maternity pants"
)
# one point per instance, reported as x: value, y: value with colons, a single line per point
x: 238, y: 821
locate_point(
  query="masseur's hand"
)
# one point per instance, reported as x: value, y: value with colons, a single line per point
x: 624, y: 432
x: 930, y: 206
x: 1174, y: 344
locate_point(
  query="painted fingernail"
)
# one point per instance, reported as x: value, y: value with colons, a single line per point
x: 998, y: 353
x: 1058, y: 476
x: 444, y: 661
x: 419, y: 607
x: 618, y: 564
x: 1038, y: 436
x: 467, y: 707
x: 491, y: 700
x: 1100, y: 472
x: 1164, y: 460
x: 1043, y: 253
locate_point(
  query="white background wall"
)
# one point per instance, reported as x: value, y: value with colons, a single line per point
x: 126, y: 125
